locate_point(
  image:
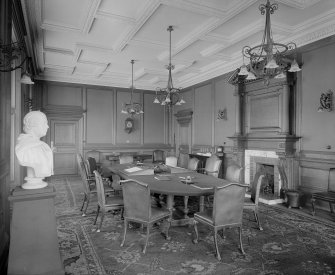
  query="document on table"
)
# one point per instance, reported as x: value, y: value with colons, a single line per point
x: 162, y: 177
x: 133, y: 169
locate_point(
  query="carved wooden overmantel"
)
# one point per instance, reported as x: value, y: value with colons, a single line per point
x: 266, y: 119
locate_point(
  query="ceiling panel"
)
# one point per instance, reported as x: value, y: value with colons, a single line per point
x: 93, y: 41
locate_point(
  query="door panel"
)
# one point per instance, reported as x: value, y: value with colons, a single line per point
x: 64, y: 136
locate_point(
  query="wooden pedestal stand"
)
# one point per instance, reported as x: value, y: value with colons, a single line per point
x: 33, y: 239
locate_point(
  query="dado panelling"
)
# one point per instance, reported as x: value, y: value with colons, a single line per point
x: 154, y: 121
x: 99, y: 116
x: 203, y: 115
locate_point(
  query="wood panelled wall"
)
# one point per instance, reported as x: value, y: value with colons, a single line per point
x: 102, y: 122
x: 317, y: 129
x: 315, y: 150
x: 206, y: 131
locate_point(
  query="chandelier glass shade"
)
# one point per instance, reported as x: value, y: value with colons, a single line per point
x: 169, y: 96
x: 269, y: 59
x: 132, y: 108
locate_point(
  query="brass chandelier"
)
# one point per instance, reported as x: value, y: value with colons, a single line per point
x: 169, y: 96
x: 132, y: 108
x: 269, y: 59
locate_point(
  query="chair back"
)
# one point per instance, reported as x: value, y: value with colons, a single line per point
x: 212, y: 166
x: 84, y: 177
x: 233, y: 173
x: 193, y: 164
x: 256, y: 187
x: 93, y: 154
x: 136, y: 199
x: 331, y: 180
x: 228, y: 204
x: 100, y: 189
x: 126, y: 159
x: 116, y: 182
x: 171, y: 161
x: 158, y: 156
x: 92, y: 164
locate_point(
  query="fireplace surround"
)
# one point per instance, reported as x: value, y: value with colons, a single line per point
x: 265, y: 128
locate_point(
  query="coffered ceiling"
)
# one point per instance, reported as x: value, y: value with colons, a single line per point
x: 93, y: 41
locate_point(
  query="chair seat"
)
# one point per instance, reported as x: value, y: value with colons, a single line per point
x: 107, y: 188
x: 248, y: 202
x: 205, y: 216
x: 158, y: 213
x: 114, y: 200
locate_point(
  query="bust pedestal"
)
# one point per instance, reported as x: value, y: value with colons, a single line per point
x: 33, y: 239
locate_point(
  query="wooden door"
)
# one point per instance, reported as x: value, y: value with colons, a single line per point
x: 64, y: 136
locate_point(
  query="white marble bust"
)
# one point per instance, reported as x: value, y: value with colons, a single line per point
x: 34, y: 153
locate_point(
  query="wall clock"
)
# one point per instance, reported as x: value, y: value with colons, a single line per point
x: 129, y: 125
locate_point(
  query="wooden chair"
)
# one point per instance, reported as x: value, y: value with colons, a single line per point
x: 158, y: 156
x: 212, y: 166
x: 126, y: 159
x: 252, y: 202
x: 88, y: 186
x: 137, y: 208
x: 233, y: 175
x: 327, y: 196
x: 110, y: 203
x: 227, y: 212
x: 193, y: 164
x: 171, y: 161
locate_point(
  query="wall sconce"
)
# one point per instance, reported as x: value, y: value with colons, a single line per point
x: 12, y: 52
x: 326, y: 102
x: 222, y: 114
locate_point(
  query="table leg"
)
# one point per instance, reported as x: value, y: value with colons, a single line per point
x: 186, y: 210
x: 202, y: 204
x: 169, y: 206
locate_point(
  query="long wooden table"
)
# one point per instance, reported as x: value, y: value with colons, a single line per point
x: 171, y: 184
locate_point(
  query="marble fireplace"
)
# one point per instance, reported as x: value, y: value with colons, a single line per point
x: 268, y: 161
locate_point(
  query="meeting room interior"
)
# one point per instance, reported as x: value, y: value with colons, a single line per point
x: 178, y: 136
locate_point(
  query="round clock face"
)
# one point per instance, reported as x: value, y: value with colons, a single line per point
x: 129, y: 124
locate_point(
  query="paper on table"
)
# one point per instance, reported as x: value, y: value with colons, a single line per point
x: 133, y: 169
x: 162, y: 178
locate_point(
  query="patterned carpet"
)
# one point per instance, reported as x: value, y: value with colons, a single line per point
x: 291, y: 243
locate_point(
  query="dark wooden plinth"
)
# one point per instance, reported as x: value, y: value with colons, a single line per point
x: 33, y: 240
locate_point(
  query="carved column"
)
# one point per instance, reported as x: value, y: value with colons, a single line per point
x: 237, y: 111
x: 285, y: 114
